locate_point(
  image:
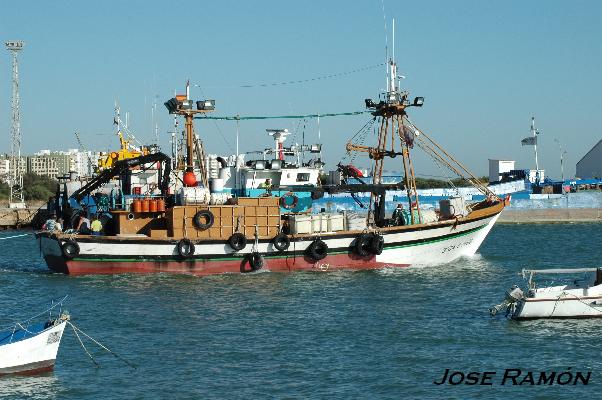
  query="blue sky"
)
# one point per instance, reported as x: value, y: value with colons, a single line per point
x: 483, y: 67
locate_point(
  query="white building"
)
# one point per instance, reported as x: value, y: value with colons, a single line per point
x: 498, y: 167
x: 590, y: 166
x: 72, y: 160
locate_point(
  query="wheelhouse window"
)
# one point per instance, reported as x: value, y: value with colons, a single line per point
x: 303, y: 177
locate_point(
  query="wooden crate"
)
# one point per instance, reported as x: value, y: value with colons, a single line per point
x: 158, y: 233
x: 227, y: 218
x: 248, y: 201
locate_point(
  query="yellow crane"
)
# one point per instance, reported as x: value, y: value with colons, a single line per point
x: 126, y: 149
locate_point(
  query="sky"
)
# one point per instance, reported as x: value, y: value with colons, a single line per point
x: 484, y: 68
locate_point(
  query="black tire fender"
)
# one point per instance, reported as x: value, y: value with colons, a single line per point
x: 255, y: 261
x: 70, y: 249
x: 281, y: 242
x: 185, y: 248
x: 237, y: 241
x: 203, y: 219
x: 377, y: 244
x: 362, y: 246
x: 317, y: 250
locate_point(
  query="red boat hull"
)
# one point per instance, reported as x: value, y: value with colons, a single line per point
x: 212, y: 267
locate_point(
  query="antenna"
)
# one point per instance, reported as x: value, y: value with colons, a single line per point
x: 16, y: 199
x: 393, y: 41
x: 386, y: 43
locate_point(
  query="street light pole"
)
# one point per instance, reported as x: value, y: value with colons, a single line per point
x: 562, y: 153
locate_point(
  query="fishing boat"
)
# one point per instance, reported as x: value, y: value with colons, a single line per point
x: 190, y: 223
x: 31, y: 346
x: 571, y: 293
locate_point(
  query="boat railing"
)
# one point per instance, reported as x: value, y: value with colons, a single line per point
x: 529, y: 274
x: 54, y: 311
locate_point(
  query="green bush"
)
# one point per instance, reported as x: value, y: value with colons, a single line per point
x: 35, y: 187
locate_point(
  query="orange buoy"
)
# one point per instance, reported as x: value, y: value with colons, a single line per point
x: 189, y: 179
x: 160, y: 205
x: 152, y: 205
x: 145, y: 205
x: 136, y: 206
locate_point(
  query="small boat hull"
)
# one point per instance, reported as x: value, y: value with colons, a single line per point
x: 30, y: 354
x: 562, y: 307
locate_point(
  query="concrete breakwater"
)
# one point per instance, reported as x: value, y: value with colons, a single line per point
x: 551, y: 215
x: 31, y: 216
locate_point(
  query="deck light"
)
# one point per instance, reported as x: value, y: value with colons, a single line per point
x: 418, y: 101
x: 315, y: 148
x: 186, y: 105
x: 205, y: 105
x: 171, y: 105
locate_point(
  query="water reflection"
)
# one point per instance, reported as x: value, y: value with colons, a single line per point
x: 45, y: 386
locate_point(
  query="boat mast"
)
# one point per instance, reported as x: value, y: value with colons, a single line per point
x: 391, y: 110
x: 183, y: 105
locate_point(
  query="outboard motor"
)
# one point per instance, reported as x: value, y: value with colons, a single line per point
x: 513, y: 295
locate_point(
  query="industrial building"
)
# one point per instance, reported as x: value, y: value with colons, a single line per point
x: 590, y: 165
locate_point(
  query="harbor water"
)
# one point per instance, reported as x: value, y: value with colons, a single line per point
x: 382, y: 334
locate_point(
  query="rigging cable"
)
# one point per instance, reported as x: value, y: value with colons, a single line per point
x: 293, y: 82
x: 218, y: 128
x: 244, y: 118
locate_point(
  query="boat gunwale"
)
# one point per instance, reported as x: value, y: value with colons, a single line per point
x: 474, y: 216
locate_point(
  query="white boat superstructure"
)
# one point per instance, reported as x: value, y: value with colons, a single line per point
x: 571, y: 293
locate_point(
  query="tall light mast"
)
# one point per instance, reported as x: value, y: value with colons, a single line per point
x: 16, y: 199
x: 535, y: 132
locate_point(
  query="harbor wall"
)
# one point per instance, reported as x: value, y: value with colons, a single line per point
x: 550, y: 215
x: 34, y: 215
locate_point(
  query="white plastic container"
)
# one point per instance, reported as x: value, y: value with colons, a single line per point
x: 319, y: 222
x: 452, y: 207
x: 336, y: 222
x: 194, y: 195
x: 301, y: 224
x: 218, y: 199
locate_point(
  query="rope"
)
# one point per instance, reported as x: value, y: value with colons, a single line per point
x: 83, y: 345
x: 318, y: 78
x: 16, y: 236
x: 565, y: 294
x: 54, y: 305
x: 243, y: 118
x: 76, y: 329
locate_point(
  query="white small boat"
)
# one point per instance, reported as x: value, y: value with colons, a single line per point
x: 31, y: 346
x: 572, y: 293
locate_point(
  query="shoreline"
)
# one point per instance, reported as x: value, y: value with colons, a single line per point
x: 550, y: 216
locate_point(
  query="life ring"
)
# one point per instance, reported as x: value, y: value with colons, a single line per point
x: 255, y: 261
x: 284, y: 203
x: 281, y: 242
x: 203, y: 219
x: 185, y: 248
x: 237, y: 241
x: 377, y: 244
x: 317, y: 250
x: 70, y: 249
x: 362, y: 245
